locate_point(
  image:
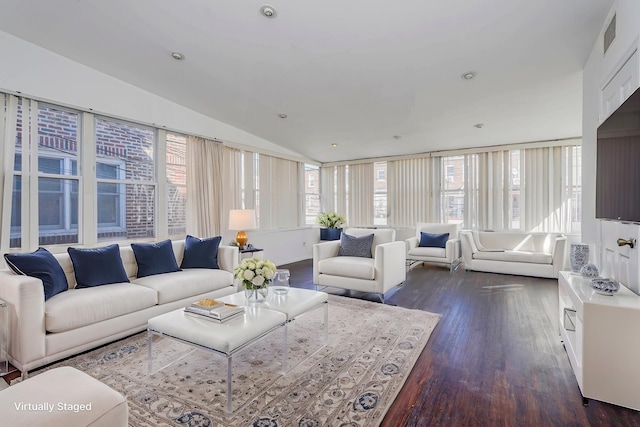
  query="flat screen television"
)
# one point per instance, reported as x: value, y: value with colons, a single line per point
x: 618, y: 163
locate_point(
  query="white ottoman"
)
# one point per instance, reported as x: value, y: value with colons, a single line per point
x: 62, y: 397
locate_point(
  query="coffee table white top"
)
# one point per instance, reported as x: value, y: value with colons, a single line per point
x: 223, y: 337
x: 293, y: 303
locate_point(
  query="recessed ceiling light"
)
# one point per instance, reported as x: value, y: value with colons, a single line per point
x: 177, y: 56
x: 334, y: 145
x: 469, y: 75
x: 268, y: 11
x: 479, y: 125
x: 397, y: 136
x: 282, y: 116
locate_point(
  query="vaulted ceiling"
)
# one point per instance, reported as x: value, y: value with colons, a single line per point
x: 377, y: 78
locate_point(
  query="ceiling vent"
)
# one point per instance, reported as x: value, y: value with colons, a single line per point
x: 610, y: 34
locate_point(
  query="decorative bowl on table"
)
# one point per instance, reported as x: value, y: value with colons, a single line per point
x: 605, y: 286
x: 589, y: 271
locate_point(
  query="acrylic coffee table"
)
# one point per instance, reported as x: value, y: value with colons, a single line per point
x: 228, y: 338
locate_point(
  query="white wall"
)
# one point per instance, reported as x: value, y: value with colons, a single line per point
x: 598, y: 69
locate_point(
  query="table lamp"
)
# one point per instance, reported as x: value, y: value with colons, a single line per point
x: 241, y: 220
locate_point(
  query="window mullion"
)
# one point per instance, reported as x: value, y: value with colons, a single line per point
x: 87, y: 220
x: 8, y: 134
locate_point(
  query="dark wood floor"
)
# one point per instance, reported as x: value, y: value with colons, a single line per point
x: 495, y: 358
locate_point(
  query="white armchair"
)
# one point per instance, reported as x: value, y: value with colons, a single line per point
x: 378, y: 274
x: 449, y: 255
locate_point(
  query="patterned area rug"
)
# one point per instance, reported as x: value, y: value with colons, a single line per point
x: 351, y: 381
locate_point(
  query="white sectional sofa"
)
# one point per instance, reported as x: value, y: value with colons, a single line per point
x: 76, y: 320
x: 525, y: 254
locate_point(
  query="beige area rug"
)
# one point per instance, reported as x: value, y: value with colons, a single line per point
x: 352, y: 381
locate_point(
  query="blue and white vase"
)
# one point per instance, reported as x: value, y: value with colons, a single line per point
x: 578, y: 256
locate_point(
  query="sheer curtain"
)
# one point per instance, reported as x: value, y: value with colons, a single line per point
x: 492, y: 188
x: 334, y: 189
x: 212, y: 186
x: 278, y: 205
x: 360, y: 199
x: 544, y: 194
x: 412, y: 191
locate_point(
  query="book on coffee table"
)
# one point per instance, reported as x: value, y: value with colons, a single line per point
x: 213, y: 319
x: 214, y: 309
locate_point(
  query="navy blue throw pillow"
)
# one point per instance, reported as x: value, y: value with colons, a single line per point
x: 155, y: 258
x: 41, y: 265
x: 356, y: 246
x: 201, y: 253
x: 97, y: 266
x: 428, y: 240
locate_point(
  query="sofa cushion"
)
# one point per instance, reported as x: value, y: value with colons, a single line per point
x: 428, y: 252
x: 353, y: 246
x: 355, y: 267
x: 97, y: 266
x: 429, y: 240
x: 186, y: 283
x: 516, y: 256
x: 42, y: 265
x: 154, y: 258
x: 201, y: 253
x: 81, y: 307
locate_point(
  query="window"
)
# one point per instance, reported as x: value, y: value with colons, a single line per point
x: 451, y: 171
x: 125, y: 180
x: 177, y: 184
x: 452, y: 191
x: 311, y: 194
x: 514, y: 190
x: 56, y: 174
x: 380, y: 194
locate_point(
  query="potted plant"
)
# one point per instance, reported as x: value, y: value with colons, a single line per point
x: 331, y: 223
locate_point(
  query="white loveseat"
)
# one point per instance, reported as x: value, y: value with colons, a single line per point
x: 76, y: 320
x: 378, y: 274
x: 525, y: 254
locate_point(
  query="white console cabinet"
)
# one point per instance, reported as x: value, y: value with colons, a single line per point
x: 601, y: 335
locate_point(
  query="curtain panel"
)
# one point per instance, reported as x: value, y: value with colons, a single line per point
x: 544, y: 192
x: 360, y: 198
x: 412, y: 191
x: 278, y: 206
x: 212, y: 185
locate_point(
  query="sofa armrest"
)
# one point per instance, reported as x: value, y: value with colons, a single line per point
x: 558, y: 254
x: 452, y: 249
x: 467, y: 247
x: 228, y: 257
x: 390, y: 264
x: 411, y: 243
x: 322, y: 251
x: 24, y: 296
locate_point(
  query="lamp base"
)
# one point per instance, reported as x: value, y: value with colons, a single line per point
x: 242, y: 239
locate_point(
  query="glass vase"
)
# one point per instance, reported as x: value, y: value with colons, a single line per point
x: 256, y: 294
x: 280, y: 282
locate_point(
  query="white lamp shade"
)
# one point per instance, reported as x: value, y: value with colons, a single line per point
x: 242, y: 219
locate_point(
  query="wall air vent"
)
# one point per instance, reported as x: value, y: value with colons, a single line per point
x: 610, y: 34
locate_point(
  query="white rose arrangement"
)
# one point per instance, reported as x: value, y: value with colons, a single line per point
x: 255, y: 273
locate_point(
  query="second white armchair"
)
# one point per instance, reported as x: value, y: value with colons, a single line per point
x: 439, y: 249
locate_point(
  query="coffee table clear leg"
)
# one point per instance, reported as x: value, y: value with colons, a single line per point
x: 229, y: 391
x: 326, y: 324
x: 285, y: 348
x: 149, y: 354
